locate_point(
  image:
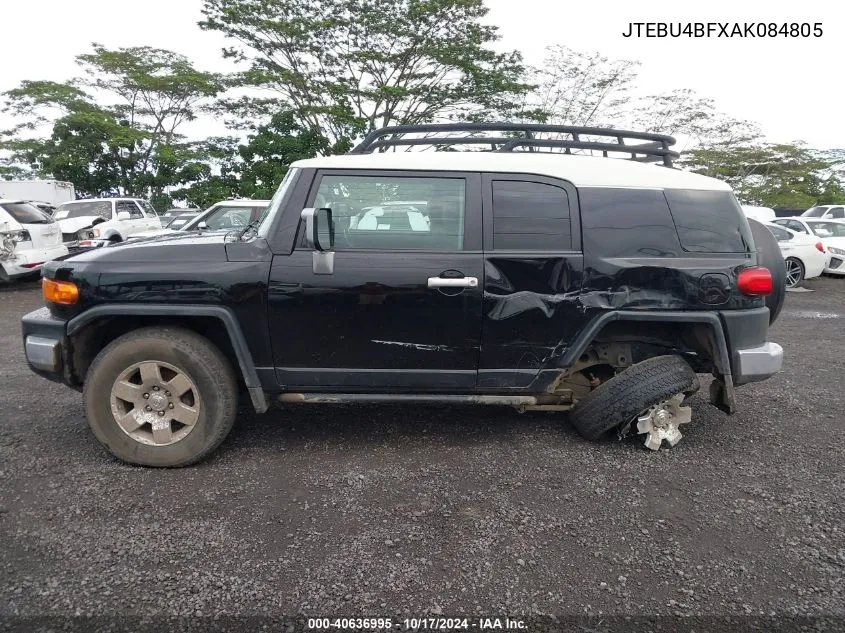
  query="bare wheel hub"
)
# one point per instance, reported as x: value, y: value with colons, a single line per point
x: 661, y: 421
x: 155, y: 403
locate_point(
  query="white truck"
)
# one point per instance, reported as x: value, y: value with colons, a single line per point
x: 52, y: 192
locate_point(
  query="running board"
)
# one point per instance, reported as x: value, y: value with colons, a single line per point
x: 343, y: 398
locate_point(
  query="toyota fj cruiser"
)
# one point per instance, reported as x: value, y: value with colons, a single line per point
x: 530, y: 275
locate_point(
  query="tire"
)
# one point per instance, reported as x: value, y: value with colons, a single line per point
x: 794, y: 271
x: 623, y: 397
x: 115, y: 239
x: 769, y: 255
x: 211, y: 400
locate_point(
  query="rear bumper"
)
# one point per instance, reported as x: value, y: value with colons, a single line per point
x: 46, y: 345
x: 757, y: 363
x: 753, y: 358
x: 27, y: 262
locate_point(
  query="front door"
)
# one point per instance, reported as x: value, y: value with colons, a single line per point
x: 402, y: 308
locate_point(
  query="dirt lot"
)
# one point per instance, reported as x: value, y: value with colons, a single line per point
x: 380, y: 510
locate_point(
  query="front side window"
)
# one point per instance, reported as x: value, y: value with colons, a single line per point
x: 148, y: 208
x: 530, y: 216
x: 828, y: 229
x: 837, y: 213
x: 781, y: 235
x: 394, y: 212
x: 131, y: 208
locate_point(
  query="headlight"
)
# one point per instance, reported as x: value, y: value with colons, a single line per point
x: 17, y: 236
x: 95, y: 233
x: 837, y: 251
x: 85, y: 234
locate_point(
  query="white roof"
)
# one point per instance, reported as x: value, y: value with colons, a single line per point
x: 99, y: 200
x: 237, y: 203
x: 582, y: 171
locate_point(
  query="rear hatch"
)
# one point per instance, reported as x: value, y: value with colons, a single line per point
x: 41, y: 231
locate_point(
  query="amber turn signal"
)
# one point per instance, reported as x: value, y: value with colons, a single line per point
x: 62, y: 292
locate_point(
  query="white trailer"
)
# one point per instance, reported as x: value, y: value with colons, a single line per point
x: 50, y: 191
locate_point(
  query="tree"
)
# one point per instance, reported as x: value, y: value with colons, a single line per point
x: 576, y: 88
x: 772, y: 175
x: 346, y: 67
x: 254, y: 168
x: 115, y: 129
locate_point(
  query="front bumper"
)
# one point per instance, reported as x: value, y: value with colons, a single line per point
x: 46, y: 345
x: 836, y: 265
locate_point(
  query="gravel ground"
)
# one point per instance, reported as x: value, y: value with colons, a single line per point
x: 400, y: 512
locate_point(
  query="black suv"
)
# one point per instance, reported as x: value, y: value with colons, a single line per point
x: 536, y: 275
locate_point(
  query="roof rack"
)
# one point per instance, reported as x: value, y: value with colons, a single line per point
x: 655, y: 147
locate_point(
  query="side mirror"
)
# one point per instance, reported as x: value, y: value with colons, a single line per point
x: 123, y: 215
x: 202, y: 226
x: 319, y: 235
x: 319, y: 229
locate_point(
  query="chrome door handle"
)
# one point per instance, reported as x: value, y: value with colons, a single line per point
x: 461, y: 282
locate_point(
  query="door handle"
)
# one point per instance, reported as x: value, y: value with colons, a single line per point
x: 462, y: 282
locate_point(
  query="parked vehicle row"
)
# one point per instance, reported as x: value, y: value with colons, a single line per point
x: 28, y: 238
x: 811, y: 244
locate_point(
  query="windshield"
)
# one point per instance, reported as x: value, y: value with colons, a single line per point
x: 83, y: 209
x: 828, y: 229
x: 276, y: 202
x: 815, y: 212
x: 26, y: 213
x: 180, y: 221
x: 221, y: 217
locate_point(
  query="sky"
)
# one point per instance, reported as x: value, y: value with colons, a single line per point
x: 791, y: 86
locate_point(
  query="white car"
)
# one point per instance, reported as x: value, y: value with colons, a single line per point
x: 804, y: 255
x: 761, y: 214
x: 222, y: 216
x: 826, y: 212
x: 99, y: 221
x: 28, y: 238
x: 830, y: 232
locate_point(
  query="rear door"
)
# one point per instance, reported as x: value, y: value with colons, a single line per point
x: 533, y: 268
x: 401, y: 310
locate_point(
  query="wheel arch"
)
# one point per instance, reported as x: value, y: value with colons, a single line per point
x: 701, y: 330
x: 97, y: 326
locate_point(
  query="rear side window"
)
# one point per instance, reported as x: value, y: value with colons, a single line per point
x: 530, y: 216
x: 627, y: 223
x: 837, y: 213
x: 780, y: 234
x: 709, y: 221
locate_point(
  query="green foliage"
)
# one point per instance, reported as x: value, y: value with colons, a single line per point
x: 348, y: 66
x: 771, y: 175
x: 124, y: 142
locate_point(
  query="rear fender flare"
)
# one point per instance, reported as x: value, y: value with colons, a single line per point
x: 721, y: 360
x: 230, y: 322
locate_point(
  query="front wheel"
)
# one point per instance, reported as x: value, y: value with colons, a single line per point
x: 160, y: 396
x: 794, y: 272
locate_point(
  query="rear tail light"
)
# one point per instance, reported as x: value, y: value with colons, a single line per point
x: 755, y: 282
x: 820, y: 247
x: 62, y: 292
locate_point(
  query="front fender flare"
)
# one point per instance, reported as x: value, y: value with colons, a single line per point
x: 230, y: 322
